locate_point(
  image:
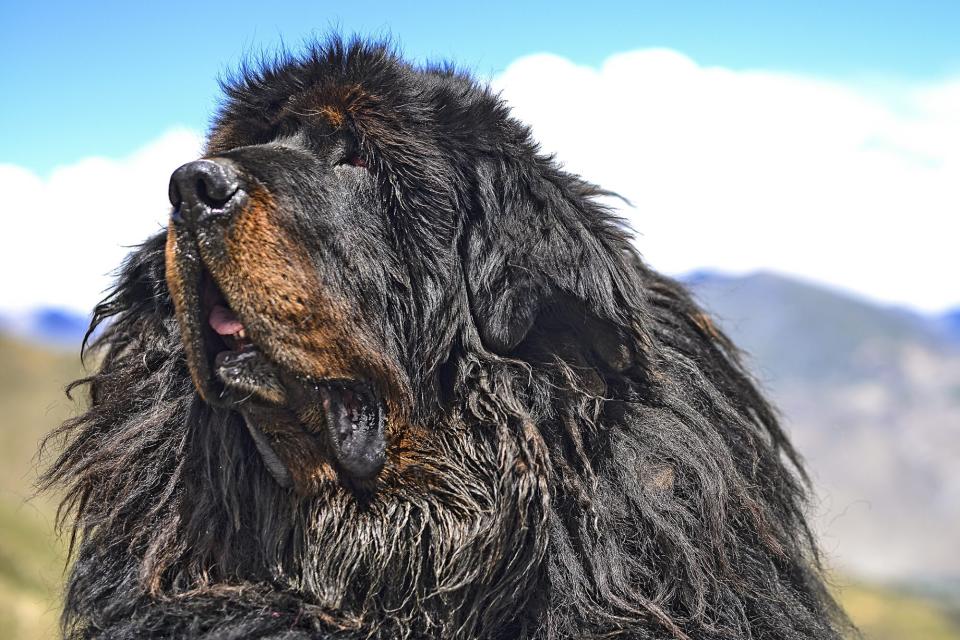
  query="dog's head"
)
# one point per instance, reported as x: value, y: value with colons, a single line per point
x: 353, y: 219
x: 282, y: 265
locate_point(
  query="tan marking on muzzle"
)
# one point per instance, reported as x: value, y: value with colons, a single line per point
x: 173, y: 268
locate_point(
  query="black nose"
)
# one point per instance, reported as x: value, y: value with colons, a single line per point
x: 203, y: 188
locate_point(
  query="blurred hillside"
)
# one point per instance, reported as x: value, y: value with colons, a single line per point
x: 49, y: 327
x: 32, y: 402
x: 871, y: 395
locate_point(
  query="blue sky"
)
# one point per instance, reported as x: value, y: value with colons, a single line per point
x: 100, y: 78
x: 816, y: 139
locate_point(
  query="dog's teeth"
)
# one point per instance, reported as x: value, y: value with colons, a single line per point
x: 242, y: 334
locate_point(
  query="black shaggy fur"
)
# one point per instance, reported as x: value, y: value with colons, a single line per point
x: 597, y: 462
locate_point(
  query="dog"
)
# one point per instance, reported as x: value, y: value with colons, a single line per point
x: 392, y: 373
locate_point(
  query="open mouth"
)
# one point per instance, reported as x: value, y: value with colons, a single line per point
x: 238, y: 369
x: 236, y: 373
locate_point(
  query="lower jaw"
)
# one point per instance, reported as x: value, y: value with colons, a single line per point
x: 337, y: 421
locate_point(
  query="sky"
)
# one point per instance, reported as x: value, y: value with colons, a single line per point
x: 818, y: 140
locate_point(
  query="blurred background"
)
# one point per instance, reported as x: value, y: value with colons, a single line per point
x: 798, y: 164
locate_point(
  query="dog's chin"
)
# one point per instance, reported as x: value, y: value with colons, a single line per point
x: 306, y: 429
x: 294, y: 418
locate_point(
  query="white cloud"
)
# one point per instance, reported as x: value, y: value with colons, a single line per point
x: 741, y: 170
x: 734, y: 170
x: 64, y: 235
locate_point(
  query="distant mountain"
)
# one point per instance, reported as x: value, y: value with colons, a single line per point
x: 794, y: 330
x: 871, y: 396
x: 950, y: 322
x: 52, y: 326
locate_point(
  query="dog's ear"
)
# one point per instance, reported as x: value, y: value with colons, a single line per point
x: 540, y: 249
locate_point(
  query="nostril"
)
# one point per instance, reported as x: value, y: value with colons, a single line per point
x: 173, y: 192
x: 202, y: 194
x: 215, y: 189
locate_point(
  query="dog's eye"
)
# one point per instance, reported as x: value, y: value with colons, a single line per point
x: 354, y: 160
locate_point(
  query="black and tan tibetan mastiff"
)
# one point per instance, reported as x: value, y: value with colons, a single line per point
x: 392, y: 373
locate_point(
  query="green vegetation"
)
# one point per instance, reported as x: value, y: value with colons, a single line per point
x: 888, y: 614
x: 32, y: 558
x: 32, y: 379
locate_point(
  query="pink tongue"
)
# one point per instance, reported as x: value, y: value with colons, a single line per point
x: 224, y: 321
